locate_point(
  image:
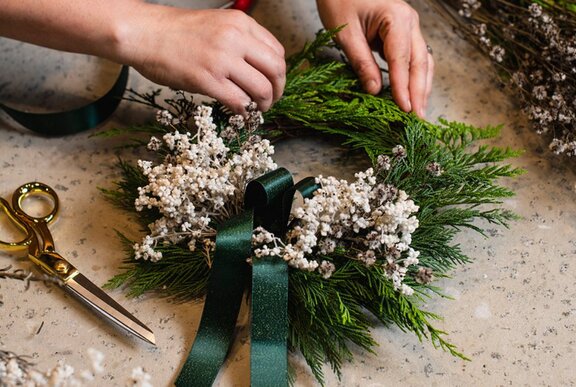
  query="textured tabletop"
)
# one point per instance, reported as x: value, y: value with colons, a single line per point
x: 513, y: 310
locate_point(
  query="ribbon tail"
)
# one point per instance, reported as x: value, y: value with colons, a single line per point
x: 76, y: 120
x: 270, y: 287
x: 269, y: 358
x: 228, y: 279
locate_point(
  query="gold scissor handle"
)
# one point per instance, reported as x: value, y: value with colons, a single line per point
x: 38, y: 223
x: 31, y: 189
x: 41, y: 245
x: 22, y: 226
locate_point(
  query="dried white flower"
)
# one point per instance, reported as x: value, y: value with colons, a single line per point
x: 424, y: 275
x: 497, y: 53
x: 399, y: 152
x: 535, y: 10
x: 383, y: 162
x: 154, y: 144
x: 539, y: 92
x: 139, y: 378
x: 435, y: 169
x: 164, y: 117
x: 200, y: 182
x: 376, y: 220
x: 326, y: 269
x: 96, y: 359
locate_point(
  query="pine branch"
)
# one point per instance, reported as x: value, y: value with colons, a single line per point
x: 181, y: 274
x: 126, y: 192
x: 310, y: 51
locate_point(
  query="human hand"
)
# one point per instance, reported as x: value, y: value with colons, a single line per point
x: 223, y: 54
x: 392, y: 28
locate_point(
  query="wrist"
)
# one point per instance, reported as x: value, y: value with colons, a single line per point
x: 124, y: 35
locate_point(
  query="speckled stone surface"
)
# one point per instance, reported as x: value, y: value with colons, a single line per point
x: 513, y: 310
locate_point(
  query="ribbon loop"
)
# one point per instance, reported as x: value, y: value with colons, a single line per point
x: 266, y: 196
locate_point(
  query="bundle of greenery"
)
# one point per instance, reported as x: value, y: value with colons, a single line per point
x: 355, y: 250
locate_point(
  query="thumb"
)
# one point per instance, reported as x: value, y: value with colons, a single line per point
x: 361, y: 58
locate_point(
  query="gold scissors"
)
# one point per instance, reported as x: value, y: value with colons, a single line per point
x: 41, y: 251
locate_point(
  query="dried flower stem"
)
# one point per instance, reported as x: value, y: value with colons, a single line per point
x: 27, y: 276
x: 533, y: 46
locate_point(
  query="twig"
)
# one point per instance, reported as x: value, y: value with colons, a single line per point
x: 27, y: 276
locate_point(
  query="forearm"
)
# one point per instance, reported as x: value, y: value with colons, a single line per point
x: 94, y: 27
x: 224, y: 54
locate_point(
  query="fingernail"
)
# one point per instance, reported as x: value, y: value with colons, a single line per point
x: 422, y: 113
x: 408, y: 105
x: 372, y: 86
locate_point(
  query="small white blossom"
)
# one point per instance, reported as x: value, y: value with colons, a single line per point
x: 326, y: 269
x: 497, y: 53
x: 384, y: 162
x: 412, y: 258
x: 139, y: 378
x: 435, y: 169
x: 61, y: 375
x: 399, y: 152
x: 96, y: 358
x: 535, y: 10
x: 164, y: 117
x: 406, y: 290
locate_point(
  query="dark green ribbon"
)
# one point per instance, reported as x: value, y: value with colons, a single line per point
x: 75, y: 120
x: 268, y: 200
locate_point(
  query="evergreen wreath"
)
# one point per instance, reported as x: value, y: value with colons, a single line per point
x: 357, y: 250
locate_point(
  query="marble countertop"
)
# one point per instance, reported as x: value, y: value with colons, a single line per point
x: 513, y: 310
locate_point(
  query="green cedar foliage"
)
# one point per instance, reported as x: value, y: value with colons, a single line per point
x: 326, y: 316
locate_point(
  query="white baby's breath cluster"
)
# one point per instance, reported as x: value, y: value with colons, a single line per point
x: 199, y: 181
x: 370, y: 220
x: 17, y: 371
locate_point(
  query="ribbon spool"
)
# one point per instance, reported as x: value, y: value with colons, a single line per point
x: 241, y: 5
x: 75, y: 120
x: 268, y: 201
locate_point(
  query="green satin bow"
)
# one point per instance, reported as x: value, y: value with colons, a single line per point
x: 268, y: 201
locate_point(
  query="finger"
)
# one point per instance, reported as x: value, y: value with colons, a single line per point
x: 397, y: 51
x: 254, y: 83
x: 360, y: 55
x: 271, y: 66
x: 418, y: 74
x: 230, y: 95
x: 267, y: 37
x: 429, y: 79
x: 249, y: 26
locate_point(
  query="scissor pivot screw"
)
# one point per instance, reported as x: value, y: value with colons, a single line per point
x: 61, y: 266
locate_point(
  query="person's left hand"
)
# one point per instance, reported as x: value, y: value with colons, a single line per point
x: 392, y: 28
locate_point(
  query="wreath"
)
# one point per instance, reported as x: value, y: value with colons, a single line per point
x: 354, y: 254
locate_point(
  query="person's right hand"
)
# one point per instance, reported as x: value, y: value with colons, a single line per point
x: 224, y: 54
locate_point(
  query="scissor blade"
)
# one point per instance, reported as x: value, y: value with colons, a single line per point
x: 95, y: 297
